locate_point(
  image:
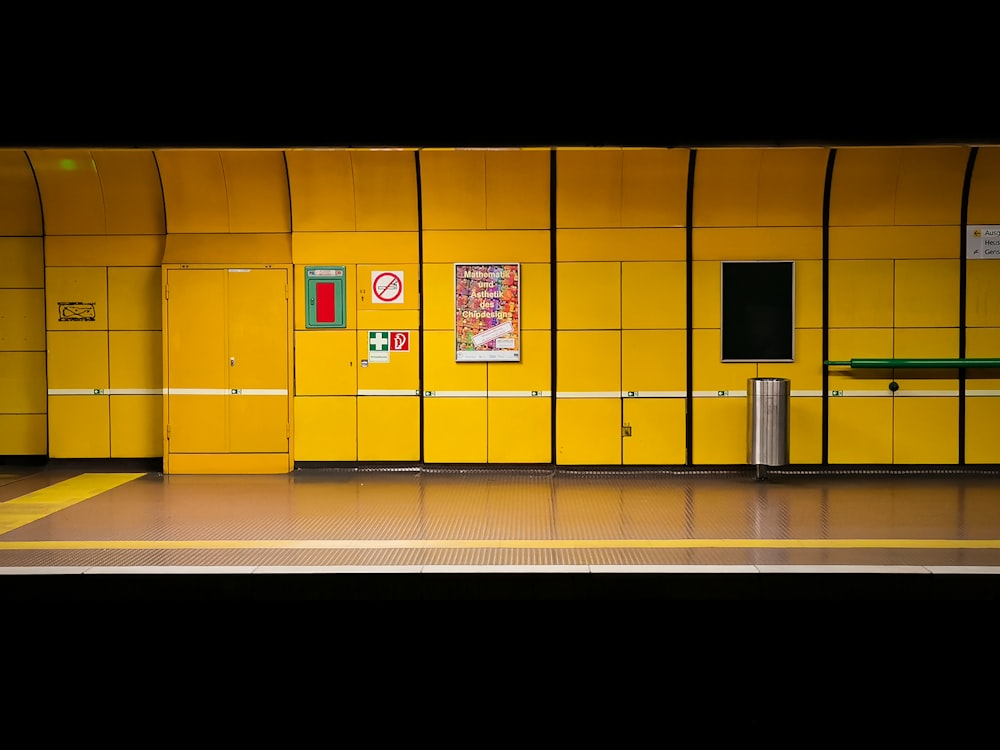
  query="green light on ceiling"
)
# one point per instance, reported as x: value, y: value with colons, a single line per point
x: 67, y: 164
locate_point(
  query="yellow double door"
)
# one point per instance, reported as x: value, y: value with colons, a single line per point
x: 227, y: 407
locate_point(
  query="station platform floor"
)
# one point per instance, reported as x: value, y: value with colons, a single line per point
x: 84, y: 531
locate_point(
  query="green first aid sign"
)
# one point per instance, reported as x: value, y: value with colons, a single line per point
x: 380, y: 343
x: 388, y: 341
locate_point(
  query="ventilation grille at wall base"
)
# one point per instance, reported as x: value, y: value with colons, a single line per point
x: 733, y: 470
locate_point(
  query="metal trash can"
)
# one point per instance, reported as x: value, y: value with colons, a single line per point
x: 768, y: 420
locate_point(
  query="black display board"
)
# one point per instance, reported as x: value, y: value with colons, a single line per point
x: 758, y: 311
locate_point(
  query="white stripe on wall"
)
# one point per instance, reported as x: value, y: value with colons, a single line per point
x: 196, y: 391
x: 864, y: 394
x: 654, y: 394
x: 977, y: 393
x: 105, y: 391
x: 517, y: 394
x: 226, y: 391
x: 588, y: 394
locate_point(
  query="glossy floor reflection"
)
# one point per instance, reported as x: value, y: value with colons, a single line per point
x: 602, y: 526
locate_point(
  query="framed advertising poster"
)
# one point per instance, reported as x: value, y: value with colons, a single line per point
x: 487, y: 312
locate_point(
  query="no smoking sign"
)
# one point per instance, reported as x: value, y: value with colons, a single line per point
x: 387, y: 287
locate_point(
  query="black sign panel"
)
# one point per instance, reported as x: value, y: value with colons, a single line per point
x: 758, y: 311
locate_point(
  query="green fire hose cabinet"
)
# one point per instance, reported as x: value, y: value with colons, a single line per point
x: 326, y: 297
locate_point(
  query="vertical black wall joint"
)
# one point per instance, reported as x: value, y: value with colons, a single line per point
x: 962, y: 298
x: 689, y: 303
x: 420, y: 291
x: 553, y: 266
x: 825, y: 419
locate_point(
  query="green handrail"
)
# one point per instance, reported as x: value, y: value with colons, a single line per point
x: 889, y: 363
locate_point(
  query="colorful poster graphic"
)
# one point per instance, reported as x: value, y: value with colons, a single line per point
x: 487, y: 312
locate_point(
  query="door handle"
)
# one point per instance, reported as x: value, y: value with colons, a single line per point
x: 232, y: 361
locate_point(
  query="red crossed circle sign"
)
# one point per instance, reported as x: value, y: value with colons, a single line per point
x: 387, y: 287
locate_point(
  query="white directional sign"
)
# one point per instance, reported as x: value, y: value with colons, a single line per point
x: 983, y: 242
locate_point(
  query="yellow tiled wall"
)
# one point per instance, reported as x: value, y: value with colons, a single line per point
x: 620, y: 270
x: 895, y: 249
x: 486, y: 207
x: 356, y: 210
x: 752, y: 204
x: 621, y: 307
x: 23, y: 423
x: 103, y: 243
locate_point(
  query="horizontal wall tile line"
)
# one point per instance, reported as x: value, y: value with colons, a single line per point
x: 903, y: 393
x: 654, y: 394
x: 225, y: 391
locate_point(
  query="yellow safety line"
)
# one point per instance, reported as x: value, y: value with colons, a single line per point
x: 40, y: 503
x: 510, y: 544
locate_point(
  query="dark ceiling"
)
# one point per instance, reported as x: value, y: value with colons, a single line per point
x: 512, y: 101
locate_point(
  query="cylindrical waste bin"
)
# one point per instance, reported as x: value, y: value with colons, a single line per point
x: 767, y: 421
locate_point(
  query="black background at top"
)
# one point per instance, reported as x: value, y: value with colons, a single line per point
x: 410, y: 78
x: 264, y: 117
